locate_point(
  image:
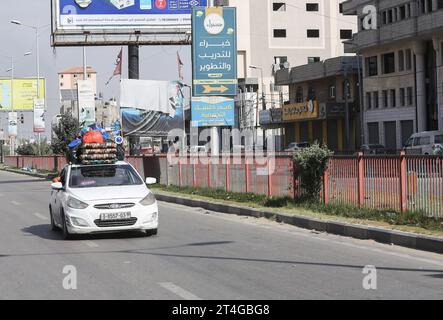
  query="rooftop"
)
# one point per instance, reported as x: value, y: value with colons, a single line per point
x: 78, y: 70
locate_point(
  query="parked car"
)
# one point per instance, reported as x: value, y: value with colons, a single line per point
x: 89, y: 199
x: 295, y: 146
x: 373, y: 149
x: 423, y: 143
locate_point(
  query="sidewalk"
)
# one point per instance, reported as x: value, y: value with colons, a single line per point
x: 382, y: 235
x: 46, y: 176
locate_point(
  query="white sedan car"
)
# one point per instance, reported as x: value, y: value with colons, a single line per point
x: 101, y: 199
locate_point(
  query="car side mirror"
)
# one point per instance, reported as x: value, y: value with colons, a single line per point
x: 57, y: 186
x: 151, y: 181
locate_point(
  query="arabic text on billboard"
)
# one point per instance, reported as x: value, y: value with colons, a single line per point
x: 215, y: 51
x: 104, y: 14
x: 39, y: 115
x: 213, y: 112
x: 22, y: 93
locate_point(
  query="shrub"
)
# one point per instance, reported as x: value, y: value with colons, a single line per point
x: 311, y: 164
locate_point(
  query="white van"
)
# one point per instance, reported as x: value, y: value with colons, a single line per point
x: 423, y: 143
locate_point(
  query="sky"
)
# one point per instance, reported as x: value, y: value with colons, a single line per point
x: 156, y: 62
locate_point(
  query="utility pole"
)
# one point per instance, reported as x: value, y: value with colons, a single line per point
x: 133, y: 73
x: 347, y: 113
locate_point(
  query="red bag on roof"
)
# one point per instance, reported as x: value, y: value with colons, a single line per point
x: 93, y: 137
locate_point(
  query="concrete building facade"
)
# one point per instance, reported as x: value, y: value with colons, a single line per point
x: 274, y: 35
x: 319, y: 95
x: 401, y: 44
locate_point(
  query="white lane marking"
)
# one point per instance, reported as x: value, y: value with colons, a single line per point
x: 315, y: 237
x: 91, y: 244
x: 15, y: 203
x: 40, y: 216
x: 179, y: 291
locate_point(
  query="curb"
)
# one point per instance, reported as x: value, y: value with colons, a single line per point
x: 35, y: 175
x: 398, y: 238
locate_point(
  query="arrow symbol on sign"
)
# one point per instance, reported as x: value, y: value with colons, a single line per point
x: 209, y: 89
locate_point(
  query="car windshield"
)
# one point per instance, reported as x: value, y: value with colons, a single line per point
x: 103, y: 176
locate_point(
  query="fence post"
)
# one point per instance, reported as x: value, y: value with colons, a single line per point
x: 294, y: 179
x: 228, y: 169
x: 209, y: 173
x: 269, y: 179
x: 194, y: 176
x: 180, y: 172
x: 326, y: 187
x: 403, y: 181
x: 247, y: 169
x: 361, y: 180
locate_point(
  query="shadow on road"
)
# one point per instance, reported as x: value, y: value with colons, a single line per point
x: 44, y: 231
x: 22, y: 181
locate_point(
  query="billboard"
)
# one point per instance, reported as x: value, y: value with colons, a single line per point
x: 214, y: 48
x: 39, y: 116
x: 13, y: 124
x: 307, y: 110
x: 147, y: 123
x: 113, y: 17
x: 86, y: 102
x: 21, y: 95
x: 213, y: 112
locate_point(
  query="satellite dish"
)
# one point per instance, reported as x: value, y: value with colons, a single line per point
x: 286, y: 65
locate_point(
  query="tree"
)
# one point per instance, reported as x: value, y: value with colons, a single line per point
x: 66, y: 131
x: 312, y: 163
x: 27, y: 148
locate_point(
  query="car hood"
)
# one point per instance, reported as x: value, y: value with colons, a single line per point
x: 110, y: 193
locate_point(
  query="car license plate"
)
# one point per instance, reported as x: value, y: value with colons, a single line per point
x: 115, y: 216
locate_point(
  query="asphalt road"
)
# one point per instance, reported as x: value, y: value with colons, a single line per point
x: 197, y: 256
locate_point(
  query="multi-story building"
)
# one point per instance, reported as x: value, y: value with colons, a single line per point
x: 283, y: 34
x: 68, y: 78
x: 401, y: 44
x: 320, y: 93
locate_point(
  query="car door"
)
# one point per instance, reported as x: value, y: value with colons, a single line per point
x: 58, y: 198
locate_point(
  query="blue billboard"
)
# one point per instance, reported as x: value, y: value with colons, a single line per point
x: 104, y: 14
x: 213, y: 112
x: 214, y: 51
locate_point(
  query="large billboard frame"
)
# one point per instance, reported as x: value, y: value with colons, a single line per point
x: 30, y: 109
x: 117, y: 35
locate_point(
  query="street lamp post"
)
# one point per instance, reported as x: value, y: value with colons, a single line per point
x: 36, y: 29
x: 263, y: 100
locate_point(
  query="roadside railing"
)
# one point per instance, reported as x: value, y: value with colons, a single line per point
x: 397, y: 182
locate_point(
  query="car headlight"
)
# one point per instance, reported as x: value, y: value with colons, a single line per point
x: 76, y: 204
x: 149, y: 200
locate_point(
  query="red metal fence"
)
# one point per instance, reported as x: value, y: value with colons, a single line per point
x: 399, y: 183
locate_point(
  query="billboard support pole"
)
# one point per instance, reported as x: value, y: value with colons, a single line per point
x: 133, y: 73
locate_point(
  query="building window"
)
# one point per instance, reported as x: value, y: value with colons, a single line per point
x: 312, y: 7
x: 372, y: 66
x: 368, y: 100
x: 393, y: 94
x: 376, y: 101
x: 389, y: 63
x: 279, y: 6
x: 311, y: 93
x: 401, y: 60
x: 279, y: 33
x: 313, y: 60
x: 345, y: 34
x: 402, y: 97
x: 299, y: 95
x: 385, y: 98
x: 408, y: 59
x: 410, y: 96
x: 313, y: 33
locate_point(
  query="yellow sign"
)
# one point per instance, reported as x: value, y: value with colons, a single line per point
x: 300, y: 111
x: 21, y: 96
